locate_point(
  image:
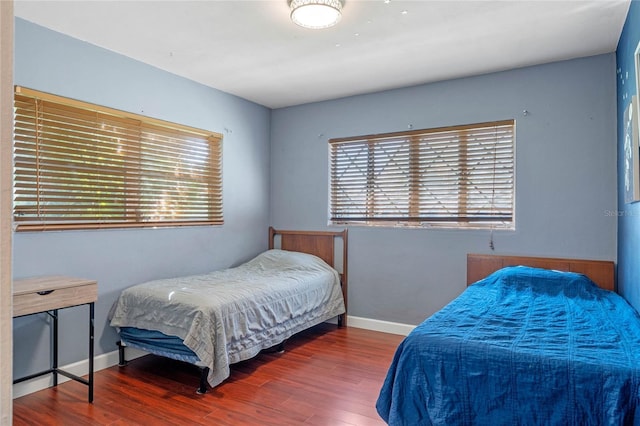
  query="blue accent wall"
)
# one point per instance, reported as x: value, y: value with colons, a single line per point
x: 52, y: 62
x: 565, y: 177
x: 628, y: 214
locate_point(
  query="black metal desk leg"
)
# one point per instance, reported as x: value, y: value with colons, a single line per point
x: 54, y: 365
x: 91, y: 326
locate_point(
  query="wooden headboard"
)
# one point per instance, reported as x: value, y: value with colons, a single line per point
x: 600, y: 272
x: 318, y: 243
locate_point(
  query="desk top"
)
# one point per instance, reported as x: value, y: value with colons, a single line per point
x: 45, y: 283
x: 40, y: 294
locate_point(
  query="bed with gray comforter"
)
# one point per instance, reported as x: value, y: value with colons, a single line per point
x: 231, y: 315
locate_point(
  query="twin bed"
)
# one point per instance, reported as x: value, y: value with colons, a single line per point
x: 530, y: 341
x: 527, y: 344
x: 217, y: 319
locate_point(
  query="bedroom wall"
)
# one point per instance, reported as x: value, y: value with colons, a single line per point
x: 565, y: 177
x: 628, y: 214
x: 52, y: 62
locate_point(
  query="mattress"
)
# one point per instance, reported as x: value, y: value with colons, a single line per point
x: 231, y: 315
x: 522, y: 346
x: 158, y: 343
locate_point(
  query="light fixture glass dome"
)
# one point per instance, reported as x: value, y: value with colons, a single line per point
x: 316, y: 14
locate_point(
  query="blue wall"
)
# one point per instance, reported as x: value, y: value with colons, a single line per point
x: 565, y: 177
x: 52, y: 62
x: 628, y: 214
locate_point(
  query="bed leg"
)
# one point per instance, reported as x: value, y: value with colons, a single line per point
x: 341, y: 320
x: 279, y: 348
x: 202, y: 389
x: 121, y: 360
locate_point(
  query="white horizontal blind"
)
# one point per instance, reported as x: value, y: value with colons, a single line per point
x: 79, y: 165
x: 460, y: 176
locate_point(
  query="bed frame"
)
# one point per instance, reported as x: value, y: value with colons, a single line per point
x: 601, y: 272
x: 319, y: 243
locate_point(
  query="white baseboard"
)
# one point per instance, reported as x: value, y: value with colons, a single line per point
x: 100, y: 362
x: 80, y: 368
x: 378, y: 325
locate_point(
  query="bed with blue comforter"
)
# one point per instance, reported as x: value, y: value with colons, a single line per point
x: 522, y: 346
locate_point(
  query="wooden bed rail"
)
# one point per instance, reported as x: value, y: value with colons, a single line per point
x: 321, y: 244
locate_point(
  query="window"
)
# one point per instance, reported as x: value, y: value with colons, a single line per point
x: 458, y: 177
x: 79, y: 165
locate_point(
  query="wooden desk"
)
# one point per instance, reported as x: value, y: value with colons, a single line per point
x: 48, y: 295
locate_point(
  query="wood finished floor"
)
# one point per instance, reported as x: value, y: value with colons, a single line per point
x: 326, y: 376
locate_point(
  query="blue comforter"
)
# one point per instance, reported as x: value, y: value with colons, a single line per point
x: 524, y: 346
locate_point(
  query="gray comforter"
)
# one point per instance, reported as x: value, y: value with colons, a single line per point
x: 230, y: 315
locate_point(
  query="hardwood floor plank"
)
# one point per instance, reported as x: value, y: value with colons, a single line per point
x: 335, y: 408
x: 326, y: 376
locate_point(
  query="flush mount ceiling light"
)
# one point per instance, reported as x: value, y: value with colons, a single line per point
x: 316, y: 14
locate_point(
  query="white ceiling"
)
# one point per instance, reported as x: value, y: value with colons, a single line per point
x: 251, y: 49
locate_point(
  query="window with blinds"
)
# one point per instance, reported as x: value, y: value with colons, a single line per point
x: 460, y: 177
x: 79, y: 165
